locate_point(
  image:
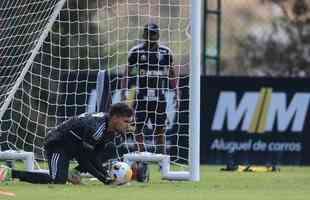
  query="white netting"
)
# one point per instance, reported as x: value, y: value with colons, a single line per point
x: 86, y: 36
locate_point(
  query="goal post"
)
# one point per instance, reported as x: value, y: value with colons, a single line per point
x: 194, y: 154
x: 52, y: 51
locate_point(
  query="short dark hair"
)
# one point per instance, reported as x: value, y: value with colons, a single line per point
x: 151, y: 31
x: 120, y: 110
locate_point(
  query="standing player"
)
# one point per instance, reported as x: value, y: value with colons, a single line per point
x: 155, y: 74
x: 88, y: 138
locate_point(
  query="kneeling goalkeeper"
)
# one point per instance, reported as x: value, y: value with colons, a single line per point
x: 89, y: 139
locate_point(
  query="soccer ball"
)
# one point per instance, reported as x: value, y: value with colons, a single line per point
x: 121, y: 173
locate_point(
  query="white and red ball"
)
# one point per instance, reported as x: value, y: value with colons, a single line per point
x: 121, y: 173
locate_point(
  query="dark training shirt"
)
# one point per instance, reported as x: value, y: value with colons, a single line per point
x: 152, y: 70
x: 85, y: 138
x: 87, y: 129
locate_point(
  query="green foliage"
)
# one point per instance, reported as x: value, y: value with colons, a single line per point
x: 290, y: 183
x: 279, y: 46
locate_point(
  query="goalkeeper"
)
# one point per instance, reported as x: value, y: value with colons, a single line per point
x: 152, y: 65
x: 88, y: 138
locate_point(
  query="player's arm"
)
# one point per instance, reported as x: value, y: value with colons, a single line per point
x: 172, y: 78
x: 132, y: 61
x: 88, y: 165
x: 92, y: 161
x: 173, y: 82
x: 125, y: 82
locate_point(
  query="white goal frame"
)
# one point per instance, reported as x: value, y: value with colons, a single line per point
x: 192, y: 172
x: 194, y: 135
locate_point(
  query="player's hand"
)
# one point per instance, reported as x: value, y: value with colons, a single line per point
x: 123, y: 95
x: 74, y: 177
x: 130, y: 129
x: 108, y: 181
x: 177, y: 99
x: 177, y: 103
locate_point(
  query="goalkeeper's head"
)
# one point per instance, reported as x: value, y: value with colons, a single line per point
x: 151, y: 32
x: 120, y: 117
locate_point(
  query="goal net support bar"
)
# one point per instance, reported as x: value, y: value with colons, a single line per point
x: 164, y: 163
x: 28, y: 157
x: 163, y: 160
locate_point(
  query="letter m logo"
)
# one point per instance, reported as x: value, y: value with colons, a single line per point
x: 262, y: 111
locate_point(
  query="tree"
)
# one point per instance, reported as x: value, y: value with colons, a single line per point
x: 281, y: 48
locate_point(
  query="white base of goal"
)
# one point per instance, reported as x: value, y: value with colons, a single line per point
x: 164, y: 162
x: 27, y: 157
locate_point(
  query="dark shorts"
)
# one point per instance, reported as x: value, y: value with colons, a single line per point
x: 155, y: 111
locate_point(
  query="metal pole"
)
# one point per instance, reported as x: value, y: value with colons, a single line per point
x: 194, y: 138
x: 204, y: 29
x: 219, y: 39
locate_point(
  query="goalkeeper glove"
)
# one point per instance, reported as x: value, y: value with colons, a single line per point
x: 74, y: 177
x: 141, y: 172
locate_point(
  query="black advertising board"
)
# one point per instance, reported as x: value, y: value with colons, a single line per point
x: 244, y: 119
x: 255, y: 120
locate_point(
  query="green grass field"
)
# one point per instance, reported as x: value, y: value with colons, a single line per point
x: 291, y: 183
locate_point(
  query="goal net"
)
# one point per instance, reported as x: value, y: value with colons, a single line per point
x: 52, y: 50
